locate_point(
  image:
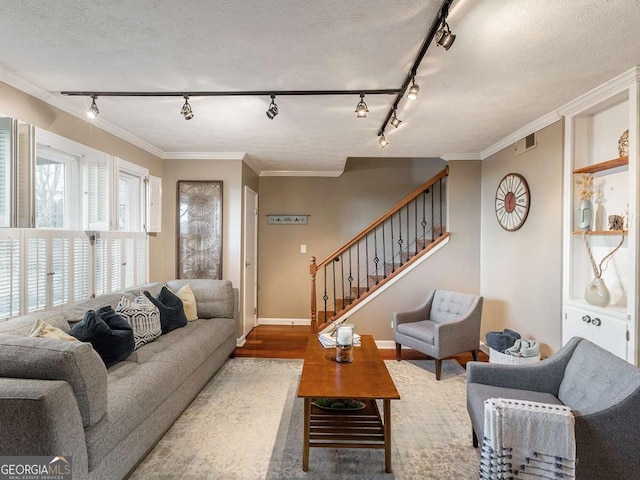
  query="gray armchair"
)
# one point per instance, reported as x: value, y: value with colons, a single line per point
x: 448, y: 323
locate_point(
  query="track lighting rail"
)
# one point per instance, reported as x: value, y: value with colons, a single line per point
x: 239, y: 93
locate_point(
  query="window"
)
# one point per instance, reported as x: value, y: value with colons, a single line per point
x: 51, y: 187
x: 130, y: 204
x: 5, y: 171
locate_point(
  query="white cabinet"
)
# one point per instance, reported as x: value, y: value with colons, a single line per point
x: 594, y: 124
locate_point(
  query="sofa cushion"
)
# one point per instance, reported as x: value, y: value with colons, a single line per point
x: 23, y: 325
x: 188, y: 302
x: 74, y: 313
x: 50, y: 359
x: 477, y: 393
x: 44, y: 330
x: 450, y: 306
x: 110, y: 334
x: 214, y: 298
x: 421, y: 330
x: 143, y: 316
x: 595, y: 379
x: 171, y: 310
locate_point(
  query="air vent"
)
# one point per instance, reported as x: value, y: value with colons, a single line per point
x: 525, y: 144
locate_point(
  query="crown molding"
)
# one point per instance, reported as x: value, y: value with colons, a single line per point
x: 203, y: 155
x: 69, y: 107
x: 528, y: 129
x: 460, y: 156
x: 601, y: 92
x: 301, y: 173
x: 249, y: 162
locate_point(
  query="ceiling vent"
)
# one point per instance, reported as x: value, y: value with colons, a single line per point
x: 525, y: 144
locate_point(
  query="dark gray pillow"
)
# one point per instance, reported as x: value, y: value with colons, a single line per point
x: 109, y: 334
x: 172, y: 314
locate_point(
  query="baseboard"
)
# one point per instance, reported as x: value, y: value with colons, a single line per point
x: 241, y: 341
x: 388, y: 345
x: 284, y: 321
x: 484, y: 347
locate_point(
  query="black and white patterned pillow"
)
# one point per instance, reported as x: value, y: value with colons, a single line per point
x: 143, y: 316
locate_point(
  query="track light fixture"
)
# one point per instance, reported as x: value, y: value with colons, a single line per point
x: 444, y: 37
x: 186, y: 111
x: 383, y: 141
x: 361, y: 108
x: 395, y: 121
x: 272, y: 112
x: 93, y: 111
x: 414, y: 90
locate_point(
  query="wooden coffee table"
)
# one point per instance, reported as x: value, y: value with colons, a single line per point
x: 366, y: 379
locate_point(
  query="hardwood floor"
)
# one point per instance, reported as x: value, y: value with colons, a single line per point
x: 286, y: 341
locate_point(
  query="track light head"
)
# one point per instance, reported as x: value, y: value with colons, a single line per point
x: 93, y: 111
x: 383, y: 141
x: 414, y: 90
x: 272, y: 112
x: 361, y: 108
x: 186, y: 111
x: 395, y: 121
x: 444, y: 37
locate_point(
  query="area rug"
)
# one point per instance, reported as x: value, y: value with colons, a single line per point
x: 246, y: 424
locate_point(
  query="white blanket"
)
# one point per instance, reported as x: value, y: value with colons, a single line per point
x: 527, y: 440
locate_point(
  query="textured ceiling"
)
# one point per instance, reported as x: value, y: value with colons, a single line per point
x: 512, y: 62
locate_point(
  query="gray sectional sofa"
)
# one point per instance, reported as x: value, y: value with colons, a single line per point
x: 602, y: 390
x: 57, y: 397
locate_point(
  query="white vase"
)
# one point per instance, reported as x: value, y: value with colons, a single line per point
x: 585, y: 214
x: 598, y: 217
x: 597, y: 293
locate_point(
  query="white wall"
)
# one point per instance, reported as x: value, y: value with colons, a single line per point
x: 521, y: 271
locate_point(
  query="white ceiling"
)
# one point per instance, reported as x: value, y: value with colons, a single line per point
x: 513, y: 61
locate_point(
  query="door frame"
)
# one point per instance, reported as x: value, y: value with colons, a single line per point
x: 246, y: 320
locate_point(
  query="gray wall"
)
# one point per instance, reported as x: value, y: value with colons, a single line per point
x: 521, y: 271
x: 339, y: 208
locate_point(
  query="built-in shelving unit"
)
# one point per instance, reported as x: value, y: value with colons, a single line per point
x: 593, y: 125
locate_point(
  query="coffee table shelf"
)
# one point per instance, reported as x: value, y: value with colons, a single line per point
x: 347, y: 429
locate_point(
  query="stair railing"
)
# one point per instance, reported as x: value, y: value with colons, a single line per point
x: 406, y: 231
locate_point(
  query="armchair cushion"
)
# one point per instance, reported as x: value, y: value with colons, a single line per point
x: 423, y: 330
x: 450, y: 306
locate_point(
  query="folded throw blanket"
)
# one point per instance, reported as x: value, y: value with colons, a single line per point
x: 524, y: 347
x: 527, y: 440
x: 500, y: 341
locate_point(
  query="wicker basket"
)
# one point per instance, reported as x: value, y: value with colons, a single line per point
x: 497, y: 357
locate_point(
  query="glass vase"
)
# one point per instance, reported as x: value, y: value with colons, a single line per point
x: 344, y: 343
x: 597, y: 293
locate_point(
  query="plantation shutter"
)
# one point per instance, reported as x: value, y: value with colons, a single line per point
x: 98, y: 194
x: 154, y: 204
x: 101, y: 270
x: 37, y: 270
x: 26, y: 136
x: 116, y: 265
x: 60, y: 278
x: 129, y: 262
x: 5, y: 172
x: 141, y: 261
x: 81, y: 250
x: 9, y: 274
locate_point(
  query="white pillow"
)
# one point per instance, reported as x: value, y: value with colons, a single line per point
x: 44, y: 330
x: 143, y: 316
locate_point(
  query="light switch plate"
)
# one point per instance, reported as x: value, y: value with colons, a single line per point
x: 303, y: 248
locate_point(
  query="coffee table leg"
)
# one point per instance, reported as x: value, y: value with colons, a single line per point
x: 387, y: 434
x: 307, y: 428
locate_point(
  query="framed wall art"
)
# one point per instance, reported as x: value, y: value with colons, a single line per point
x: 199, y: 229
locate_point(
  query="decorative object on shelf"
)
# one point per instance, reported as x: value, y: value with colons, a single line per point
x: 199, y: 229
x: 338, y: 404
x: 623, y: 144
x: 585, y: 209
x: 344, y: 343
x: 616, y: 222
x: 599, y: 201
x: 596, y: 293
x: 512, y: 202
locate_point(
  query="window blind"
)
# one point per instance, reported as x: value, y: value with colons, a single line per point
x: 9, y: 274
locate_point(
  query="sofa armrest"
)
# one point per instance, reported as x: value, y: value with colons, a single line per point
x: 545, y: 376
x: 420, y: 313
x: 41, y: 417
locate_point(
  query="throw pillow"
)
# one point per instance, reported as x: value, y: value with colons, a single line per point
x: 171, y: 310
x: 143, y: 316
x: 188, y: 302
x: 44, y: 330
x: 110, y: 334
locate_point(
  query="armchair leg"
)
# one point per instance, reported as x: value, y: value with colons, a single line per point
x: 398, y: 351
x: 475, y: 438
x: 438, y: 368
x: 474, y: 354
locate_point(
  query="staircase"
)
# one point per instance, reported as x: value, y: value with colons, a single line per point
x: 384, y: 249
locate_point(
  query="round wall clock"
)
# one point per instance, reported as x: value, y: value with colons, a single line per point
x: 512, y: 202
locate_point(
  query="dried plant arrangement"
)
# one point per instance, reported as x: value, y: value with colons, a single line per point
x: 585, y: 186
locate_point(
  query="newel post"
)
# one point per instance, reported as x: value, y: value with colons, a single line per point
x: 314, y: 319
